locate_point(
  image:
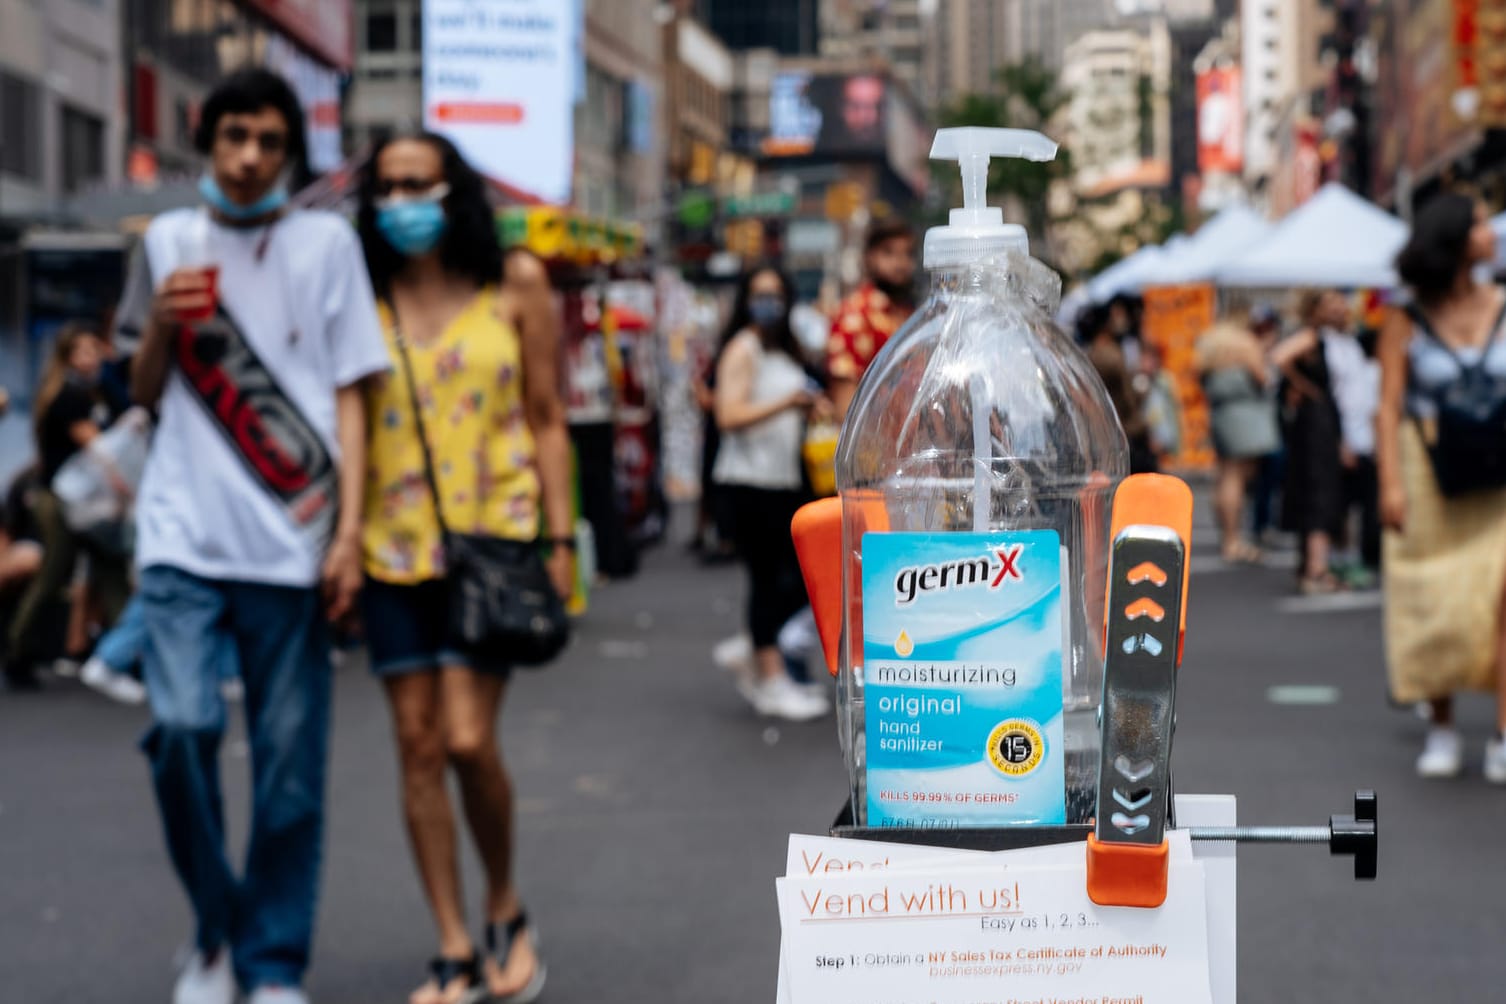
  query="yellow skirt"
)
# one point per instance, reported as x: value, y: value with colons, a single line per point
x: 1444, y: 576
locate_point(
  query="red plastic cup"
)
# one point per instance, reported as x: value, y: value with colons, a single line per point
x: 211, y: 275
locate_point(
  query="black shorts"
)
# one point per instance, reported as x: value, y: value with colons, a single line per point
x: 405, y: 630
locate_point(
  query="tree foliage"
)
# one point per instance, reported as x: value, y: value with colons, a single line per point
x: 1025, y: 95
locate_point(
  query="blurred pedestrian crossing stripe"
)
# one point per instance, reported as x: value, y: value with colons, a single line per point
x: 1302, y: 694
x: 1360, y: 599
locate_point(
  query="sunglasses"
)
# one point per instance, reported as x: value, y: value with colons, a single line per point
x: 387, y: 187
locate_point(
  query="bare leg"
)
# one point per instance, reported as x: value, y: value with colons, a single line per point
x: 1229, y: 504
x: 415, y: 702
x: 470, y: 706
x: 1318, y: 547
x: 20, y: 561
x: 769, y: 662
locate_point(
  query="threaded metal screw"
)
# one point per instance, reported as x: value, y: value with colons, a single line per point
x: 1263, y: 834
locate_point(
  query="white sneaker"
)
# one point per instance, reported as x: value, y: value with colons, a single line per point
x: 781, y: 697
x: 206, y: 984
x: 1495, y: 760
x: 1442, y: 754
x: 97, y: 675
x: 278, y: 995
x: 735, y: 653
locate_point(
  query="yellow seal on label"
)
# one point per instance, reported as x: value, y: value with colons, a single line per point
x: 903, y: 646
x: 1016, y: 747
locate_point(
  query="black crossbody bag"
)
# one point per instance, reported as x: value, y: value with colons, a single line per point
x: 502, y: 606
x: 1468, y: 446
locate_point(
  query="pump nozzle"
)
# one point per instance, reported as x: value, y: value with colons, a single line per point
x: 977, y: 229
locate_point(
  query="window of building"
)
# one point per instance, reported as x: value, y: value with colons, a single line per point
x: 20, y: 127
x: 381, y: 31
x: 83, y: 149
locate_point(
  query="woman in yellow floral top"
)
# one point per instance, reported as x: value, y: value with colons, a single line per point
x: 483, y: 351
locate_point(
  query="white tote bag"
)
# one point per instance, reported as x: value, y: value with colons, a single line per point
x: 97, y: 485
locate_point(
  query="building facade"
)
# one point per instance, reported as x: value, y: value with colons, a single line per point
x: 789, y: 27
x: 177, y: 49
x: 386, y: 88
x: 619, y: 140
x: 973, y: 40
x: 891, y: 35
x: 60, y: 125
x: 1118, y: 125
x: 1283, y: 43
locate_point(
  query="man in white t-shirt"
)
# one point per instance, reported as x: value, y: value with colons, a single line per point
x: 254, y: 328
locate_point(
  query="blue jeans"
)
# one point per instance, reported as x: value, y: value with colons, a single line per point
x: 122, y: 645
x: 277, y: 638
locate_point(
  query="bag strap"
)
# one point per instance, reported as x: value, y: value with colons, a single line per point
x: 1422, y: 322
x: 418, y: 417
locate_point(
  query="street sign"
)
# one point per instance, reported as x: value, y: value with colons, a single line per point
x: 759, y: 204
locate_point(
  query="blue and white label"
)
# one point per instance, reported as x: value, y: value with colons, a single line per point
x: 963, y: 635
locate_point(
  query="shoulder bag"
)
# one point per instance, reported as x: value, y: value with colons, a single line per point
x: 502, y: 607
x: 1468, y: 446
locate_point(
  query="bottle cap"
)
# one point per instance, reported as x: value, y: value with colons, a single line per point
x: 977, y: 231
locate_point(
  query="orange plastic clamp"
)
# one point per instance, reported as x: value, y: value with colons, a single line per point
x: 1157, y: 500
x: 817, y: 531
x: 1127, y: 874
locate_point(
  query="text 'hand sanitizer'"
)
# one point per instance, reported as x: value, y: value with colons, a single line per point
x: 976, y: 470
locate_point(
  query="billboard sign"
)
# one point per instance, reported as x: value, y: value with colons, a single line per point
x: 826, y: 115
x: 1220, y: 122
x: 500, y: 83
x: 318, y: 90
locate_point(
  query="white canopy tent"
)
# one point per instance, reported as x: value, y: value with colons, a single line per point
x: 1216, y: 244
x: 1335, y: 239
x: 1134, y: 272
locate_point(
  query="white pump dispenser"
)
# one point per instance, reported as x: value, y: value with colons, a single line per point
x: 977, y: 231
x: 979, y: 426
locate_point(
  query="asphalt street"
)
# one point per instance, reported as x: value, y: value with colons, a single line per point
x: 654, y: 808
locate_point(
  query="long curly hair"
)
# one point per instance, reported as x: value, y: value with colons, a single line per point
x: 470, y: 246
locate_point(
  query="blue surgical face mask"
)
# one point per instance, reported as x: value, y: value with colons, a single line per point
x: 221, y: 203
x: 413, y: 227
x: 766, y: 309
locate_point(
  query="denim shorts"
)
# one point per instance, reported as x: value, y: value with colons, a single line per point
x: 405, y: 630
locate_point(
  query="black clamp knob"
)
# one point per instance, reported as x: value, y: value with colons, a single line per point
x: 1357, y: 835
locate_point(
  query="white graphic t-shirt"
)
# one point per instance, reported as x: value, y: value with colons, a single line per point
x: 299, y: 294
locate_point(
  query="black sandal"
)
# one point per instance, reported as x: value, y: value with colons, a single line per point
x: 501, y: 952
x: 445, y: 971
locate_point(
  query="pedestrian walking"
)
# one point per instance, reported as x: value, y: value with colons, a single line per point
x: 1106, y: 352
x: 1242, y: 416
x: 70, y: 413
x: 874, y: 311
x: 1356, y: 391
x: 1162, y: 405
x: 1439, y: 448
x: 256, y: 331
x: 472, y: 428
x: 762, y: 397
x: 20, y: 557
x: 1312, y: 500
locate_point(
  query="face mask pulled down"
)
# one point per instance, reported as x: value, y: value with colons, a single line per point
x: 211, y: 192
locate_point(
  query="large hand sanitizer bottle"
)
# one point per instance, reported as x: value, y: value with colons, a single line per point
x: 976, y: 470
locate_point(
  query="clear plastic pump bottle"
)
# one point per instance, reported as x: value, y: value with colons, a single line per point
x: 981, y: 415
